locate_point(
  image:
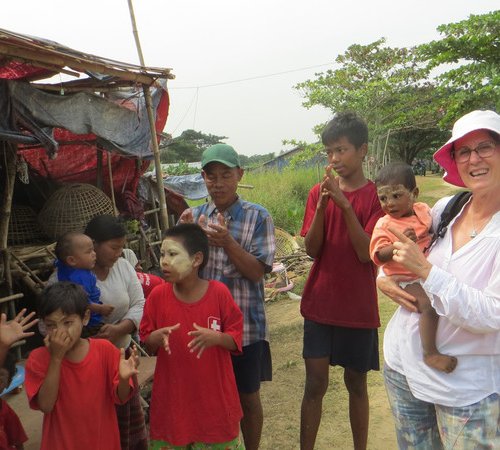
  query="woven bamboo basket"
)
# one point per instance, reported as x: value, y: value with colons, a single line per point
x: 71, y: 207
x: 23, y: 227
x: 285, y: 243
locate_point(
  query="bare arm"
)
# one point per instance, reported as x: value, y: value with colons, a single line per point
x: 58, y: 343
x: 314, y: 238
x: 160, y: 338
x: 114, y: 331
x: 205, y: 338
x: 360, y: 240
x: 246, y: 264
x: 127, y: 368
x: 14, y: 330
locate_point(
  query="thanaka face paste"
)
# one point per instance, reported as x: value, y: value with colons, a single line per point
x: 175, y: 260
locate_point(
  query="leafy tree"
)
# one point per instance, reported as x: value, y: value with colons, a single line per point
x: 472, y: 46
x: 387, y: 86
x: 255, y: 160
x: 187, y: 147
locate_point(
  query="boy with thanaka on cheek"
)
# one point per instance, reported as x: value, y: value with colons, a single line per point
x: 193, y: 325
x: 76, y: 382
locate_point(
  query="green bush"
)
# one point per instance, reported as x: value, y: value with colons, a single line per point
x: 283, y: 194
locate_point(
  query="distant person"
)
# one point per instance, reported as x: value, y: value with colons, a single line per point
x: 74, y: 381
x: 242, y: 246
x: 339, y: 302
x: 397, y: 191
x: 12, y: 434
x: 461, y: 277
x: 194, y: 326
x: 75, y: 261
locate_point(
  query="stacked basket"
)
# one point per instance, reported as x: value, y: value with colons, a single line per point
x: 71, y: 207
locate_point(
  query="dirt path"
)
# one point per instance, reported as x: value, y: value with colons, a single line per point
x: 282, y: 397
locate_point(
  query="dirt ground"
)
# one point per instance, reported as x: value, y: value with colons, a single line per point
x: 282, y: 397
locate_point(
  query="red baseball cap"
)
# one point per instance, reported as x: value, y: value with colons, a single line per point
x: 475, y: 120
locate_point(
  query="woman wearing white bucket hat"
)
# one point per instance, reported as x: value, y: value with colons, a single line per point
x: 459, y: 410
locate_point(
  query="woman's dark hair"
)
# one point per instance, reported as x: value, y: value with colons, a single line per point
x: 104, y: 228
x: 346, y: 124
x: 65, y: 245
x: 396, y: 173
x: 193, y: 237
x: 69, y: 297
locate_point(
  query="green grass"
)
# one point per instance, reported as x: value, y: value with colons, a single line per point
x: 284, y: 194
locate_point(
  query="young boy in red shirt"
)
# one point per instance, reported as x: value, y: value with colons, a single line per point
x: 339, y: 302
x: 193, y: 325
x: 76, y: 382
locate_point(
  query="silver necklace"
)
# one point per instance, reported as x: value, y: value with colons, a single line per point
x: 473, y: 233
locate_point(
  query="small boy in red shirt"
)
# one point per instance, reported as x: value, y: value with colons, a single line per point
x: 76, y: 382
x: 193, y: 325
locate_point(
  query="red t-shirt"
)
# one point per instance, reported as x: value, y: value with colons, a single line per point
x: 341, y: 290
x: 193, y: 400
x: 11, y: 431
x: 149, y: 282
x: 84, y: 415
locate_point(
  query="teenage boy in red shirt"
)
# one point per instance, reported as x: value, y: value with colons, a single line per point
x: 339, y: 303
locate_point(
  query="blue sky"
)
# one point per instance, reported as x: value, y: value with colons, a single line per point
x: 220, y: 41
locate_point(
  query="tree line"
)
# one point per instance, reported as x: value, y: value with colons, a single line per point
x: 409, y: 96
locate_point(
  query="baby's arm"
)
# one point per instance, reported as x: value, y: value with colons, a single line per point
x: 205, y: 338
x: 58, y: 343
x: 386, y: 253
x: 104, y: 310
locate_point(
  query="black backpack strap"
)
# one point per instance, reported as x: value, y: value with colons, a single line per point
x: 451, y: 209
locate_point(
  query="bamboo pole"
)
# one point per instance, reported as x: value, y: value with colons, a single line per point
x: 9, y: 164
x: 111, y: 187
x: 99, y: 183
x: 136, y: 33
x: 154, y: 140
x: 156, y: 153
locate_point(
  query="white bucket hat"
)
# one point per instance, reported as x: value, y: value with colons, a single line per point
x: 475, y: 120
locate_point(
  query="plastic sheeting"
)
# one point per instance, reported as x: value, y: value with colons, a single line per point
x: 119, y: 122
x: 189, y: 186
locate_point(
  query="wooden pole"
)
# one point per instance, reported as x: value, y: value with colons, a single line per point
x: 99, y: 182
x: 156, y: 154
x: 111, y: 187
x: 154, y: 140
x: 135, y: 32
x: 9, y: 164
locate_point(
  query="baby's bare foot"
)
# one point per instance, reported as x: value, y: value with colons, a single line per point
x: 444, y: 363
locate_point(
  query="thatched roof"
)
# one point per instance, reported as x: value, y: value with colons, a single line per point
x: 32, y: 58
